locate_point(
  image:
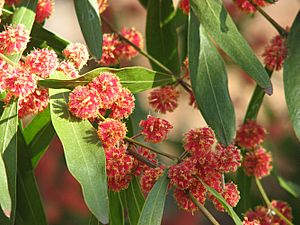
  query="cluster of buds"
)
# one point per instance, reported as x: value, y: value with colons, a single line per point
x: 275, y: 53
x: 115, y: 48
x: 257, y: 161
x: 207, y: 162
x: 266, y: 216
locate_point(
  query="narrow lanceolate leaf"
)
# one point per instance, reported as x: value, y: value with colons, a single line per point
x: 220, y: 27
x: 29, y: 205
x: 8, y: 150
x: 210, y: 85
x: 161, y: 35
x: 290, y: 187
x: 38, y: 135
x: 84, y: 154
x: 90, y: 24
x: 116, y: 210
x: 227, y: 207
x: 153, y: 209
x: 291, y: 75
x: 134, y: 201
x: 244, y: 186
x: 24, y: 14
x: 136, y: 79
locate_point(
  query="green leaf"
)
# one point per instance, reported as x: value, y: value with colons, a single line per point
x: 8, y: 150
x: 144, y: 3
x: 24, y: 14
x: 153, y: 208
x: 93, y: 221
x: 136, y: 79
x: 84, y: 154
x: 244, y: 186
x: 161, y: 35
x: 29, y: 205
x: 38, y: 135
x: 227, y: 207
x: 41, y: 37
x: 210, y: 85
x: 291, y: 75
x: 220, y: 27
x: 90, y: 24
x: 116, y: 211
x: 290, y: 187
x: 256, y: 101
x: 134, y: 201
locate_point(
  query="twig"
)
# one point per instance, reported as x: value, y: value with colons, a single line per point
x: 141, y: 158
x: 209, y: 216
x: 268, y: 202
x: 151, y: 58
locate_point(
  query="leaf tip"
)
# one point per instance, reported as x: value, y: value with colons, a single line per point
x: 7, y: 213
x: 269, y: 90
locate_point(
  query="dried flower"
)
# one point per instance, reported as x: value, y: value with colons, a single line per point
x: 164, y: 99
x: 155, y: 129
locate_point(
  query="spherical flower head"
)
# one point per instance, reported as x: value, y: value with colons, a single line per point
x: 44, y: 10
x: 110, y: 50
x: 118, y: 163
x: 68, y: 69
x: 111, y: 132
x: 185, y: 202
x: 149, y: 177
x: 164, y: 99
x: 210, y: 176
x: 229, y: 158
x: 20, y: 82
x: 263, y: 215
x: 14, y: 39
x: 5, y: 70
x: 182, y: 175
x: 155, y: 129
x: 246, y: 6
x: 77, y: 53
x: 231, y: 194
x: 247, y: 222
x: 185, y: 6
x: 33, y: 103
x: 257, y: 163
x: 250, y: 134
x: 118, y: 184
x: 83, y: 102
x: 41, y: 62
x: 140, y: 167
x: 108, y: 88
x: 102, y: 5
x: 123, y: 106
x: 199, y: 140
x: 275, y: 53
x: 125, y: 49
x: 285, y: 210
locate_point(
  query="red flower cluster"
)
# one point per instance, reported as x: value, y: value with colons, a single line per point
x: 76, y: 53
x: 257, y: 161
x: 206, y: 162
x: 44, y: 10
x: 185, y: 6
x: 155, y: 129
x: 246, y: 6
x: 275, y: 53
x: 114, y: 48
x: 262, y: 214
